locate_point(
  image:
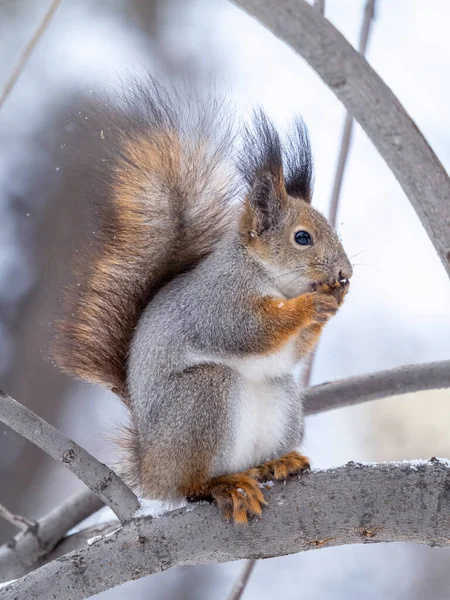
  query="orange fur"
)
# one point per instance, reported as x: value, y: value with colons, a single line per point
x: 289, y: 464
x: 282, y: 319
x: 237, y: 496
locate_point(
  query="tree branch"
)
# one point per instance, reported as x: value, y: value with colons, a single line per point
x: 372, y: 104
x: 374, y: 386
x: 241, y: 582
x: 348, y: 505
x: 97, y: 476
x: 369, y: 13
x: 24, y: 57
x: 24, y: 553
x: 17, y: 520
x: 26, y: 550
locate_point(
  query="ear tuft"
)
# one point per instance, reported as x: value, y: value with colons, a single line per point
x: 261, y: 165
x: 265, y: 202
x: 298, y: 162
x: 288, y: 160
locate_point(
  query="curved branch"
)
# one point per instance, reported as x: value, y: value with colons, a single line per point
x: 374, y: 386
x: 348, y: 505
x: 372, y: 104
x: 97, y: 476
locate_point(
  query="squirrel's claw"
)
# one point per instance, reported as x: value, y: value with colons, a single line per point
x: 291, y: 463
x: 238, y: 497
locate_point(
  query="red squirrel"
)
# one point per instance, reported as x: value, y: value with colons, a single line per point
x: 208, y: 281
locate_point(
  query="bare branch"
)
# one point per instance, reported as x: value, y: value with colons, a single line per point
x: 26, y: 550
x: 16, y: 520
x: 242, y: 580
x: 24, y: 57
x: 401, y: 502
x: 355, y: 390
x: 369, y: 13
x: 372, y: 104
x: 97, y: 476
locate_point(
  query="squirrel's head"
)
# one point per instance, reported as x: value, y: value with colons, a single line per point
x: 293, y: 241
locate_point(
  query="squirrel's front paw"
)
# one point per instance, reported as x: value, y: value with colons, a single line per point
x: 333, y: 287
x: 323, y: 306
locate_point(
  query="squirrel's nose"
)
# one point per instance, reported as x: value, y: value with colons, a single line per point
x: 345, y: 271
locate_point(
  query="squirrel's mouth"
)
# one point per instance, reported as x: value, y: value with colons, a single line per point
x: 343, y: 282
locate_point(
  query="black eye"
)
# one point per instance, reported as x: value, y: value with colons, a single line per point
x: 303, y: 238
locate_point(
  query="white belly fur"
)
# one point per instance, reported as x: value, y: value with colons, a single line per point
x: 264, y: 408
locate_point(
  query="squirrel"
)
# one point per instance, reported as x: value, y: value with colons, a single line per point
x: 209, y: 277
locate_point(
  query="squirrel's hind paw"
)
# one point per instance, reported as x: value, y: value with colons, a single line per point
x: 291, y: 463
x: 237, y: 496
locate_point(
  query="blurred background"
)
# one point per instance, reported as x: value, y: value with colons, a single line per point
x: 397, y: 311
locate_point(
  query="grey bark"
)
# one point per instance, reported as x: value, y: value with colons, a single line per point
x: 394, y: 382
x: 369, y: 100
x: 320, y: 6
x: 347, y: 505
x: 97, y: 476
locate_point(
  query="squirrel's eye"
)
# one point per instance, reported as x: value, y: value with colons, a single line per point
x: 303, y: 238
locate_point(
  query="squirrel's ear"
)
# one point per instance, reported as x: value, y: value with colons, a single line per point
x: 266, y: 199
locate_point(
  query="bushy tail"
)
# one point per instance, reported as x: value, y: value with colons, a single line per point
x: 163, y: 196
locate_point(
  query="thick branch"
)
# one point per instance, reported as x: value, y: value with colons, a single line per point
x: 372, y: 104
x: 355, y: 390
x: 97, y: 476
x: 25, y: 551
x: 349, y: 505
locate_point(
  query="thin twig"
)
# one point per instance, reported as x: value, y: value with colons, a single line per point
x: 369, y: 14
x: 18, y: 521
x: 97, y: 476
x: 242, y: 580
x: 27, y: 51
